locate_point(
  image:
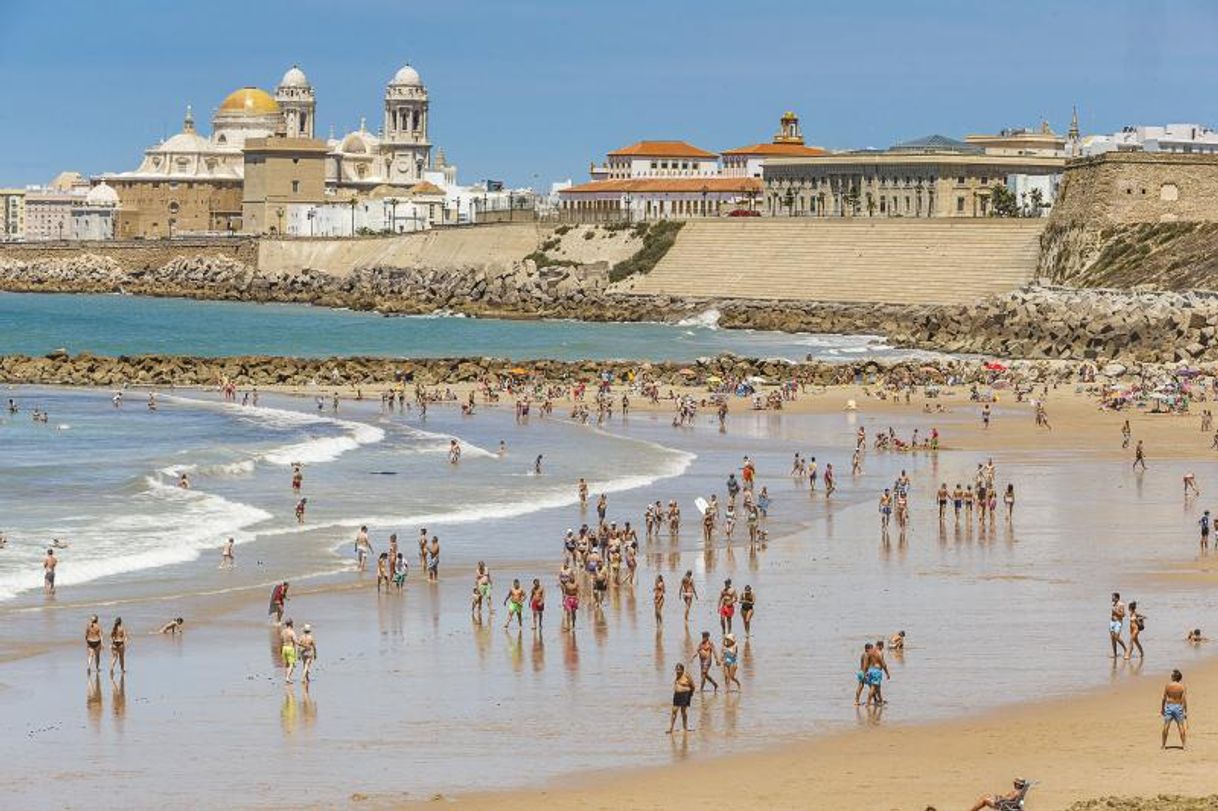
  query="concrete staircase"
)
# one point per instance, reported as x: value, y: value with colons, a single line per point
x: 900, y: 261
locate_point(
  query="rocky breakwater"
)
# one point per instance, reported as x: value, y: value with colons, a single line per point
x: 60, y: 368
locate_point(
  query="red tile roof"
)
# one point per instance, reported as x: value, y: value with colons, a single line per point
x: 777, y: 150
x: 663, y: 149
x: 668, y: 184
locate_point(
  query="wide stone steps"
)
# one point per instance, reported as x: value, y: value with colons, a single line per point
x: 901, y: 261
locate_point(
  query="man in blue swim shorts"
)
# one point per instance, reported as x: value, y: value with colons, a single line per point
x: 1175, y: 708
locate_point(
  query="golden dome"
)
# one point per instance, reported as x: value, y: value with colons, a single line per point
x: 250, y: 101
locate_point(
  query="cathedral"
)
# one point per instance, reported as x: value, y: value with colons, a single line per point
x: 194, y: 183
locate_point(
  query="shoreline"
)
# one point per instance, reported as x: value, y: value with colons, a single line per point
x: 768, y: 774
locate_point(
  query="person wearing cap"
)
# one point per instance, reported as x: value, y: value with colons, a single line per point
x: 731, y: 657
x: 308, y: 651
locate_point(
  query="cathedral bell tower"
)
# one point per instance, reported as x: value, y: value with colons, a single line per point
x: 297, y: 103
x: 405, y: 147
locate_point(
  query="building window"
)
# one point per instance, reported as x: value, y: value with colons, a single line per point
x: 295, y: 186
x: 960, y: 205
x: 960, y: 180
x: 174, y: 207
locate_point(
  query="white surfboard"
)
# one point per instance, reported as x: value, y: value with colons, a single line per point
x: 701, y: 504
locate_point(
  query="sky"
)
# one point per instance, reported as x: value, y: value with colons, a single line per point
x: 532, y: 92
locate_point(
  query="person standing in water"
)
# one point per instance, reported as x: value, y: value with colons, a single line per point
x: 433, y: 559
x: 747, y: 599
x: 227, y: 560
x: 727, y: 606
x: 1139, y: 456
x: 537, y: 464
x: 363, y: 548
x: 707, y: 657
x: 657, y: 597
x: 48, y: 571
x: 731, y: 657
x: 1136, y: 624
x: 1204, y: 523
x: 279, y: 598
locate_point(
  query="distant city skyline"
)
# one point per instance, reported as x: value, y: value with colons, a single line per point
x: 532, y: 92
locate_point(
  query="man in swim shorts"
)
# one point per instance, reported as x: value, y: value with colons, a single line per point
x: 1116, y: 619
x: 48, y: 571
x: 515, y: 605
x: 1175, y: 708
x: 682, y: 692
x: 287, y: 649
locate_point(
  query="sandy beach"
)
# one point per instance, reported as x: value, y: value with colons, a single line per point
x: 1085, y: 737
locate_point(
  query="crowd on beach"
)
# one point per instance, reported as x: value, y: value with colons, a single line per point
x: 603, y: 555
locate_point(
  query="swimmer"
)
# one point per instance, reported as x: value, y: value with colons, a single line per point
x: 1194, y: 637
x: 502, y: 448
x: 897, y: 641
x: 173, y: 627
x: 184, y: 481
x: 537, y: 464
x: 297, y: 476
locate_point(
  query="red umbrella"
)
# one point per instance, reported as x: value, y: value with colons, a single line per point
x: 995, y: 366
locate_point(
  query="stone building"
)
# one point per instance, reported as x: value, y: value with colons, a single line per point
x: 636, y: 199
x: 1115, y: 188
x: 934, y: 176
x: 280, y: 172
x: 12, y: 215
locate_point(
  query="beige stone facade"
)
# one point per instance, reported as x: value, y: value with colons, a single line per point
x: 925, y: 184
x: 1139, y: 187
x: 153, y: 208
x: 279, y: 173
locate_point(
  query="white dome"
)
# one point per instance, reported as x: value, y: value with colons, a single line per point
x: 408, y: 76
x: 295, y: 77
x: 102, y: 195
x: 185, y: 142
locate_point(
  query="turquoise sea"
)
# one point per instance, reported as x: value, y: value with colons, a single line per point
x: 36, y: 323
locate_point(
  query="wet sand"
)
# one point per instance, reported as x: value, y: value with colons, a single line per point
x: 367, y: 716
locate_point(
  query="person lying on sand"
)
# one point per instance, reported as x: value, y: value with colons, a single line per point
x: 996, y: 800
x: 173, y: 627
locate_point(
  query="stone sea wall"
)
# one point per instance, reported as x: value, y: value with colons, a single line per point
x: 1035, y: 322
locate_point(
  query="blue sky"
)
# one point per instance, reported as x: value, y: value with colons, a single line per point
x: 524, y: 89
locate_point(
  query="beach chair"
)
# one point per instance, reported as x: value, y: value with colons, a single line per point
x: 1016, y: 803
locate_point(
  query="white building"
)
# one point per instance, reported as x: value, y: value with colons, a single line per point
x: 93, y: 218
x: 1195, y: 139
x: 12, y: 215
x: 657, y: 159
x: 385, y: 210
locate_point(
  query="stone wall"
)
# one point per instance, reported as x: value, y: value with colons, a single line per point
x: 1097, y: 236
x: 133, y: 255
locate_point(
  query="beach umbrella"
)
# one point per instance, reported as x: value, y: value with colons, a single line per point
x: 995, y: 366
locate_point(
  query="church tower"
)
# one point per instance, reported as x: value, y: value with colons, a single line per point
x: 788, y: 130
x: 405, y: 147
x: 297, y: 103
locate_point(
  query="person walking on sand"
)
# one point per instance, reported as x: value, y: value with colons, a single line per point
x: 731, y: 658
x: 1204, y: 523
x: 1136, y: 623
x: 382, y: 572
x: 707, y: 657
x: 864, y: 662
x: 689, y: 592
x: 747, y: 600
x: 1008, y: 498
x: 515, y: 605
x: 1116, y: 620
x: 307, y: 646
x: 682, y: 693
x: 727, y: 606
x: 537, y: 603
x: 885, y: 509
x: 287, y: 650
x: 48, y: 572
x: 1139, y: 456
x: 118, y: 646
x: 1174, y: 708
x: 877, y: 671
x: 93, y: 641
x: 433, y: 560
x: 657, y: 597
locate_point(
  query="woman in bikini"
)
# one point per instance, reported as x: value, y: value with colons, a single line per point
x: 689, y: 592
x: 93, y: 640
x: 118, y: 646
x: 747, y: 599
x: 657, y: 597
